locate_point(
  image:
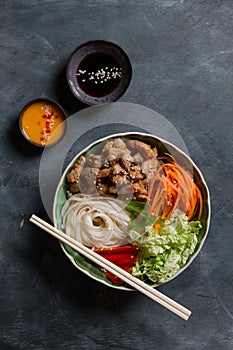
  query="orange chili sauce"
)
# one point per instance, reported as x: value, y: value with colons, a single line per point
x: 40, y: 120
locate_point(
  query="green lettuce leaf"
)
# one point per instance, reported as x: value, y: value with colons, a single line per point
x: 163, y: 254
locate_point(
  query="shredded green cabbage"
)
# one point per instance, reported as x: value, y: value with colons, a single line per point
x: 163, y: 254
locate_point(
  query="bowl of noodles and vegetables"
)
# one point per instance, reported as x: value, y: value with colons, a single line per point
x: 138, y: 201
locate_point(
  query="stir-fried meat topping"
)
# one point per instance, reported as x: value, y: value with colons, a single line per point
x: 115, y: 149
x: 138, y: 158
x: 73, y: 176
x: 89, y: 175
x: 123, y: 170
x: 94, y: 160
x: 149, y: 167
x: 138, y: 146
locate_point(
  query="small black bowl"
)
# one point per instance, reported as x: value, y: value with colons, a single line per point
x: 98, y: 72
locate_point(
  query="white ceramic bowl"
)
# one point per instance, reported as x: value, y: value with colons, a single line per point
x: 163, y: 146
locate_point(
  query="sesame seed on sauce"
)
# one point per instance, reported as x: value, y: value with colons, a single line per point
x: 98, y: 74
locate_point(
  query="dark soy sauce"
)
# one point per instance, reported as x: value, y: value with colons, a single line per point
x: 98, y: 74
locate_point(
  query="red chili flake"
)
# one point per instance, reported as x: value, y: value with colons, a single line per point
x: 48, y: 131
x: 47, y: 124
x: 52, y: 113
x: 49, y: 117
x: 38, y: 123
x: 56, y: 116
x: 44, y: 116
x: 41, y: 139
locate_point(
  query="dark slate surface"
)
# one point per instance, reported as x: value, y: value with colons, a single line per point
x: 181, y: 52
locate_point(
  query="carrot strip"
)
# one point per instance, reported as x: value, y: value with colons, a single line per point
x: 172, y: 187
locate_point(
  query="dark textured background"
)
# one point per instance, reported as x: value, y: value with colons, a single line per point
x: 182, y: 57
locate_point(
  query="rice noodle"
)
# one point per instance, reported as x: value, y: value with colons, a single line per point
x: 96, y: 221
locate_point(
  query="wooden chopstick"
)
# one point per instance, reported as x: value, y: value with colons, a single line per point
x: 134, y: 282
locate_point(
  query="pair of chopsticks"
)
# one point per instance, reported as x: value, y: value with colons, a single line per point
x: 132, y: 281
